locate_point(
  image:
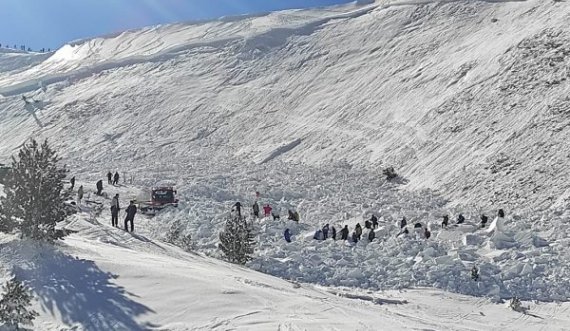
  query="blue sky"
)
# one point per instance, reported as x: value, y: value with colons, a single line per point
x: 52, y: 23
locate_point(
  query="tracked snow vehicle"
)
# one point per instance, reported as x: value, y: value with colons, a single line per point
x: 161, y: 197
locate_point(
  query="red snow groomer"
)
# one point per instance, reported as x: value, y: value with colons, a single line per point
x: 161, y: 197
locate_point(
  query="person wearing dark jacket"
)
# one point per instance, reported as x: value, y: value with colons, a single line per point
x: 116, y: 178
x: 460, y: 219
x: 287, y: 235
x: 427, y: 233
x: 358, y: 230
x: 237, y: 207
x: 256, y: 209
x: 368, y: 224
x: 131, y: 211
x: 293, y: 215
x: 501, y: 213
x: 99, y: 187
x: 484, y: 220
x: 72, y: 182
x: 445, y: 221
x: 334, y: 233
x: 325, y: 232
x: 110, y: 178
x: 355, y: 237
x: 403, y: 223
x: 115, y: 210
x: 374, y: 221
x: 371, y: 235
x: 344, y: 233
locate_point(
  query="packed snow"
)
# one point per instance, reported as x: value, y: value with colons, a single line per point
x: 467, y: 100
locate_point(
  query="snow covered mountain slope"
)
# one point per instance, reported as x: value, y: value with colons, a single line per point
x: 465, y: 97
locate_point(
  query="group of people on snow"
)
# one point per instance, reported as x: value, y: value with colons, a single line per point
x: 461, y: 219
x: 371, y: 225
x: 115, y: 207
x: 268, y: 211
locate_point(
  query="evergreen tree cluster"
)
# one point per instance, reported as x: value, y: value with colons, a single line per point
x: 34, y: 200
x: 15, y: 305
x: 237, y: 240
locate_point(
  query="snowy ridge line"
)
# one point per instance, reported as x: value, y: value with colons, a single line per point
x: 32, y: 85
x: 172, y: 52
x: 396, y: 3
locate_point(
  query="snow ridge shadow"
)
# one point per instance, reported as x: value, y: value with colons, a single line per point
x: 81, y: 292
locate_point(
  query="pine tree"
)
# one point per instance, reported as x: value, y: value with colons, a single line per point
x: 236, y: 240
x: 34, y: 200
x: 15, y: 305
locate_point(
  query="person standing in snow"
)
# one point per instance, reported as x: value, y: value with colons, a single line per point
x: 275, y: 216
x: 99, y: 187
x: 72, y: 182
x: 333, y: 233
x: 115, y: 210
x: 287, y: 235
x: 325, y: 232
x: 267, y: 210
x: 371, y: 235
x: 427, y: 233
x: 403, y: 223
x: 374, y: 221
x: 131, y: 211
x: 501, y: 213
x: 293, y: 215
x: 355, y: 237
x: 237, y: 208
x: 256, y: 209
x: 484, y: 220
x: 110, y: 178
x: 116, y: 178
x: 460, y: 219
x: 344, y: 233
x: 80, y: 193
x: 445, y: 221
x: 358, y: 230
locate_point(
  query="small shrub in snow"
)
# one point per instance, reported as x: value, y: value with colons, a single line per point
x: 34, y: 200
x: 176, y: 236
x: 390, y: 173
x: 15, y: 305
x: 236, y: 240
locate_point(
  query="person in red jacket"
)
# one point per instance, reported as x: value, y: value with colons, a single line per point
x: 267, y: 210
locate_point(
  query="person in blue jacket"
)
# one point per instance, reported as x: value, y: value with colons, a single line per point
x: 287, y: 235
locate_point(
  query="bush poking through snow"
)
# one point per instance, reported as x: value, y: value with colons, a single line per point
x: 176, y: 236
x: 390, y: 173
x: 15, y: 305
x: 236, y: 240
x: 34, y: 200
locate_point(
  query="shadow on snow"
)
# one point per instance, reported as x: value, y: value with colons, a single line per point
x: 82, y: 293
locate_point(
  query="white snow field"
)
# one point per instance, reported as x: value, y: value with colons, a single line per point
x: 467, y: 100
